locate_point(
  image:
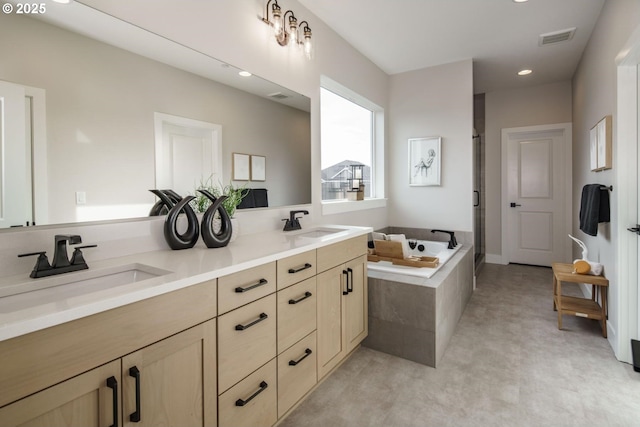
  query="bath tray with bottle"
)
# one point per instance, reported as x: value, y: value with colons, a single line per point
x: 385, y: 250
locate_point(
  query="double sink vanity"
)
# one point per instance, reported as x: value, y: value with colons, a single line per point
x: 235, y: 336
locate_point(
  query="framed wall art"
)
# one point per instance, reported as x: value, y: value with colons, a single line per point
x: 258, y: 168
x: 240, y: 165
x: 425, y: 161
x: 600, y: 145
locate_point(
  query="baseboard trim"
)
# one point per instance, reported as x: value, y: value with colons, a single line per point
x: 494, y: 259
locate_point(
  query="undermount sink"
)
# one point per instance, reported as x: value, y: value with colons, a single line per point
x: 87, y: 281
x: 318, y: 232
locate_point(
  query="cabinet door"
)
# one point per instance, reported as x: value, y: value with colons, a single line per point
x: 331, y: 347
x: 83, y: 401
x: 355, y: 303
x: 172, y: 382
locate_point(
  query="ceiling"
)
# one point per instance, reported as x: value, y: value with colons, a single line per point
x: 501, y: 36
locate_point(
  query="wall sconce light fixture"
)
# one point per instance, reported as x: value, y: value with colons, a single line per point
x: 285, y: 28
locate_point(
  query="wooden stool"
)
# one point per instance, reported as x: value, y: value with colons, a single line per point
x: 581, y: 307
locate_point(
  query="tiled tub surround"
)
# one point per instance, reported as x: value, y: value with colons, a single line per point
x: 414, y: 318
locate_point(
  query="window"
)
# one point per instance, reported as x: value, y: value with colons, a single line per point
x: 348, y: 127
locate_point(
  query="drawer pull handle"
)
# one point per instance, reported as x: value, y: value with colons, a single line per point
x: 306, y: 295
x: 350, y: 280
x: 263, y: 387
x: 307, y: 352
x: 261, y: 282
x: 299, y: 269
x: 112, y: 383
x: 135, y: 373
x: 248, y: 325
x: 345, y: 273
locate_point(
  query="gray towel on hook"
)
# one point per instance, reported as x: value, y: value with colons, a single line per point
x: 594, y: 208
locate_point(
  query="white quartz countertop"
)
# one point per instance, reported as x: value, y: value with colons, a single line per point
x: 57, y: 299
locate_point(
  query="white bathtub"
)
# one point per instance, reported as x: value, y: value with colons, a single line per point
x: 429, y: 248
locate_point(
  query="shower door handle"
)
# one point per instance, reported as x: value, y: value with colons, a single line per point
x: 477, y: 202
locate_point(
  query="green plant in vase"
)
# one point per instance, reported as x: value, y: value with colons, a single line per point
x: 234, y: 196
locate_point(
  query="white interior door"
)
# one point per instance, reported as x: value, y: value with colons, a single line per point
x: 14, y: 191
x: 188, y: 152
x: 537, y: 190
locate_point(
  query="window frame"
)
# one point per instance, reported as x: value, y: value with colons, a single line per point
x: 377, y: 200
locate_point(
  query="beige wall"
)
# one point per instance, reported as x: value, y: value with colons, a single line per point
x: 435, y: 101
x: 538, y: 105
x: 594, y: 96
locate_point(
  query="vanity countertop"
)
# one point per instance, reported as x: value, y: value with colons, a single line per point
x: 42, y: 308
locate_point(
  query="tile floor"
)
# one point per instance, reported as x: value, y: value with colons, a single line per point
x: 507, y: 365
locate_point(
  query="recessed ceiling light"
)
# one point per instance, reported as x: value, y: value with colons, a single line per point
x: 245, y: 73
x: 519, y: 1
x: 62, y: 1
x: 524, y: 72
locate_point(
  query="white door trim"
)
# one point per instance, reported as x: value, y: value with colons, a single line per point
x: 565, y: 128
x: 160, y: 119
x: 626, y: 170
x: 39, y: 154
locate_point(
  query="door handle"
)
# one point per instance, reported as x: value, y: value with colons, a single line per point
x: 513, y: 205
x: 635, y: 229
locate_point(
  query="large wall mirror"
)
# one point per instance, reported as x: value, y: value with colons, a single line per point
x: 101, y: 84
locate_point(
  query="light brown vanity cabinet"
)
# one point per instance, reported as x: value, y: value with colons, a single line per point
x: 342, y: 301
x: 297, y: 351
x: 297, y: 374
x: 246, y: 340
x: 56, y: 367
x: 91, y: 399
x: 238, y: 289
x: 172, y: 382
x: 247, y: 347
x: 253, y: 401
x: 296, y: 268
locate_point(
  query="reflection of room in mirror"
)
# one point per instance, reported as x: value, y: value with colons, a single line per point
x: 100, y: 104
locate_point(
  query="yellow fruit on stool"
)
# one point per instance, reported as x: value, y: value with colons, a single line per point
x: 581, y: 267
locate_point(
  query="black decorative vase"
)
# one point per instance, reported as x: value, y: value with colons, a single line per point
x: 168, y: 198
x: 210, y: 237
x: 177, y: 240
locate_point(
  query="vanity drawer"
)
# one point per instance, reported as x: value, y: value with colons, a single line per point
x: 296, y: 372
x: 296, y: 313
x: 246, y: 286
x: 336, y: 254
x: 252, y: 402
x: 296, y: 268
x: 246, y: 340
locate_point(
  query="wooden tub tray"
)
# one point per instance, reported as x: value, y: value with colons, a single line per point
x: 392, y: 252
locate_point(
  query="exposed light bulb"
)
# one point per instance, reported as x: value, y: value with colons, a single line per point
x: 308, y: 46
x: 293, y: 31
x: 278, y: 28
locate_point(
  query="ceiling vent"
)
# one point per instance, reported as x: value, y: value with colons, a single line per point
x: 278, y: 95
x: 556, y: 36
